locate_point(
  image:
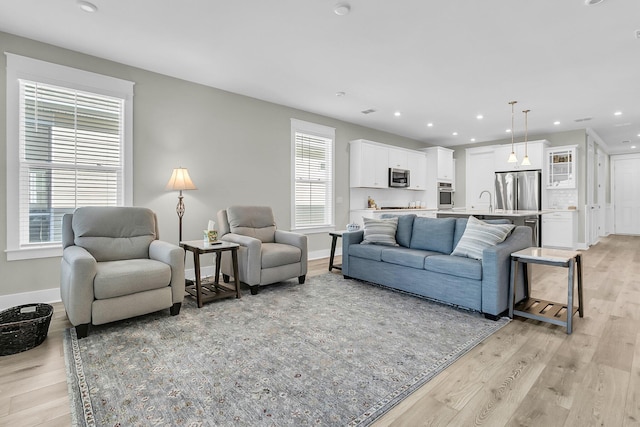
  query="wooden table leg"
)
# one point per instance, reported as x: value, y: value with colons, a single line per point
x: 334, y: 238
x: 196, y: 268
x: 571, y: 285
x: 512, y: 286
x: 234, y: 259
x: 216, y: 279
x: 579, y: 267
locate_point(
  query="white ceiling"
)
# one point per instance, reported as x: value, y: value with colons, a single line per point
x: 442, y: 62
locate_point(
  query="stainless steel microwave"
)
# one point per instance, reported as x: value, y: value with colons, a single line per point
x: 398, y: 177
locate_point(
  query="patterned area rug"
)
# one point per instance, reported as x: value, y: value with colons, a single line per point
x: 330, y: 352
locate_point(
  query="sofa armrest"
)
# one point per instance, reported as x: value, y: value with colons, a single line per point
x: 299, y: 241
x: 496, y: 270
x: 349, y: 238
x: 173, y: 256
x: 249, y: 257
x: 77, y: 272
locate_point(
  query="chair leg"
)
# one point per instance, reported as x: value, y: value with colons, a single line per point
x: 82, y: 330
x: 225, y: 278
x: 175, y: 308
x: 301, y: 279
x: 254, y: 289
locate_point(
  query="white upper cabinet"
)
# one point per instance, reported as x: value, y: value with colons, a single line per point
x: 561, y: 167
x: 418, y: 168
x: 398, y: 159
x: 535, y: 150
x: 440, y: 163
x: 369, y: 164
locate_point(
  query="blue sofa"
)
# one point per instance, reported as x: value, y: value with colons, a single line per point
x: 422, y: 264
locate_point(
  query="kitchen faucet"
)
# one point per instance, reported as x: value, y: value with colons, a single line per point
x: 490, y: 198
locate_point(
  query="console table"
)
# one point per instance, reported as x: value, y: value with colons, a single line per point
x: 209, y: 290
x: 539, y: 309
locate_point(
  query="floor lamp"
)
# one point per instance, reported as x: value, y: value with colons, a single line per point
x: 180, y: 180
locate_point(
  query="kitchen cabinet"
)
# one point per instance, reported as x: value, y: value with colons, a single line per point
x: 535, y: 150
x: 368, y: 164
x: 561, y: 167
x: 559, y: 229
x: 417, y: 165
x: 398, y: 158
x: 480, y: 176
x: 439, y: 164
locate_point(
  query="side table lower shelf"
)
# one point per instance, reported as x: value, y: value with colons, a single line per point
x: 210, y: 290
x: 546, y: 311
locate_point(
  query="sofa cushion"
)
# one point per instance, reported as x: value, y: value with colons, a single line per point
x: 433, y: 234
x: 380, y: 231
x: 454, y: 266
x: 461, y: 225
x: 413, y: 258
x: 118, y: 278
x: 405, y: 227
x: 479, y: 235
x: 277, y: 254
x: 372, y: 252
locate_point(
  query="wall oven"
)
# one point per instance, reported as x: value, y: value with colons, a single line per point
x: 398, y: 177
x: 445, y: 195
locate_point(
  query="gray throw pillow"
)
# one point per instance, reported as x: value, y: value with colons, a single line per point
x: 478, y: 236
x: 380, y: 231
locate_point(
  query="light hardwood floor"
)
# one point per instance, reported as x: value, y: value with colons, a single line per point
x: 527, y: 374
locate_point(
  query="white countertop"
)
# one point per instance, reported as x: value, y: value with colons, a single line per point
x: 399, y: 210
x: 496, y: 212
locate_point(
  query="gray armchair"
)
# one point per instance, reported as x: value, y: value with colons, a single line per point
x: 266, y: 255
x: 113, y: 266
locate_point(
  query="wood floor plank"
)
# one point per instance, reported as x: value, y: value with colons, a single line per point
x: 617, y: 344
x: 632, y: 405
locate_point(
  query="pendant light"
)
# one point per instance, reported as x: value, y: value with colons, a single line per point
x: 525, y: 161
x: 512, y: 156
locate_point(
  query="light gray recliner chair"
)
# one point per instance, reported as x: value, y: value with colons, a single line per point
x: 266, y: 255
x: 113, y: 266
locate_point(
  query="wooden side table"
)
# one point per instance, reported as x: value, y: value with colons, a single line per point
x: 334, y: 238
x: 210, y: 290
x: 539, y: 309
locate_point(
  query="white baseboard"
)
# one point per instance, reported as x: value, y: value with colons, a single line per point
x: 323, y: 253
x: 45, y: 296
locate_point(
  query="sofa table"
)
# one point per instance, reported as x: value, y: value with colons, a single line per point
x: 538, y: 309
x: 209, y: 290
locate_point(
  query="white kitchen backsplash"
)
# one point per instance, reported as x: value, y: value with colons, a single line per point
x: 561, y: 199
x: 385, y: 197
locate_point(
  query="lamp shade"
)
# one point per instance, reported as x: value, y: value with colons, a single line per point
x: 180, y: 180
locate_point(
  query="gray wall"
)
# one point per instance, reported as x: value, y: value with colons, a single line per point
x: 237, y: 150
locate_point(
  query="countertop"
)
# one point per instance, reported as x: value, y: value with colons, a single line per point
x: 399, y: 210
x: 496, y: 213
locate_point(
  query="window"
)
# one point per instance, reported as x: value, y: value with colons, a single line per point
x: 67, y: 146
x: 312, y: 149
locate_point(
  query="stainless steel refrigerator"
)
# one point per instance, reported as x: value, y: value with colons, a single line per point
x: 521, y: 190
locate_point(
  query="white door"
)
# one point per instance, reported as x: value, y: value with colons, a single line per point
x: 626, y: 194
x: 602, y: 199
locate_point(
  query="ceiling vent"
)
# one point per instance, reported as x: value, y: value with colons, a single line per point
x: 584, y: 119
x: 626, y: 141
x: 369, y: 111
x: 621, y: 125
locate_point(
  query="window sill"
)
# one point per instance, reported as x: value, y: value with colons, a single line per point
x: 314, y: 230
x: 34, y: 253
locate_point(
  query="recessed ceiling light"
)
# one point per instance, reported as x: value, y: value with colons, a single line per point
x: 633, y: 146
x: 342, y: 9
x: 617, y: 113
x: 472, y: 140
x: 479, y: 117
x: 397, y: 114
x: 429, y: 125
x: 87, y: 7
x: 455, y: 134
x: 639, y: 134
x: 592, y: 2
x: 556, y: 123
x: 508, y: 131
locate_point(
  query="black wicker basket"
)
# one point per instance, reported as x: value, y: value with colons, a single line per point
x: 24, y: 327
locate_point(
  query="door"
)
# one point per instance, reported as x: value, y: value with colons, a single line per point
x: 626, y: 194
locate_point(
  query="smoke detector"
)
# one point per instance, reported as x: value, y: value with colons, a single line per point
x: 592, y: 2
x: 369, y: 111
x: 342, y: 9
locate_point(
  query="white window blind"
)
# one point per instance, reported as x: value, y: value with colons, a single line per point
x: 313, y: 180
x: 70, y: 155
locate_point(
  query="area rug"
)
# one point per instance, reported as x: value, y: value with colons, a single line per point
x: 331, y: 352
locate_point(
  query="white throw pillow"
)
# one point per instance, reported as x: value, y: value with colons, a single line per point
x: 380, y: 231
x: 478, y: 236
